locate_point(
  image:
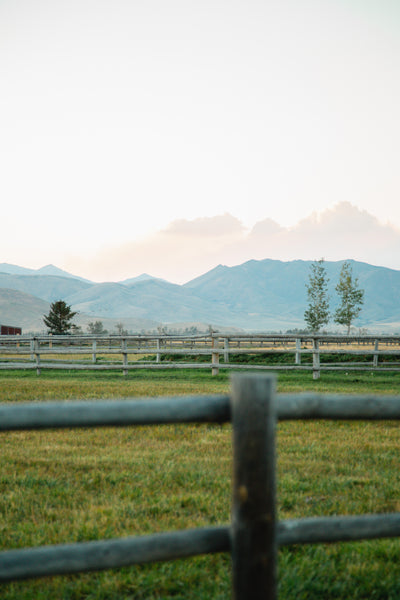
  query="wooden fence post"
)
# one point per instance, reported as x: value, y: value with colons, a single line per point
x: 215, y: 356
x: 316, y: 360
x: 94, y: 348
x: 254, y: 537
x: 226, y: 350
x: 37, y: 355
x: 124, y: 356
x: 375, y: 360
x: 298, y: 351
x: 158, y: 356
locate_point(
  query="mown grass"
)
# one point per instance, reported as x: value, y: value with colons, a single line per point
x: 84, y: 484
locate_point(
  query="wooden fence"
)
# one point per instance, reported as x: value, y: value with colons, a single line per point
x: 309, y: 352
x: 254, y: 535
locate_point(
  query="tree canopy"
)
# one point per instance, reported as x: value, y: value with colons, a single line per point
x: 58, y: 321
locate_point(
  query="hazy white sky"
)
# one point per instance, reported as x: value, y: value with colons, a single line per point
x: 134, y: 133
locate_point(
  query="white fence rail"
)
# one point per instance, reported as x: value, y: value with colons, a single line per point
x: 254, y: 535
x: 309, y: 352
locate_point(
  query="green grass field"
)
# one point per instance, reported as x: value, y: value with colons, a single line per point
x: 85, y: 484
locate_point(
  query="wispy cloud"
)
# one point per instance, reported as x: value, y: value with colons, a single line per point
x: 187, y: 248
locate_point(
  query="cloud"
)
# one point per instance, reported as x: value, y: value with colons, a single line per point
x: 218, y: 226
x: 344, y: 217
x: 266, y: 227
x: 188, y: 248
x: 343, y: 231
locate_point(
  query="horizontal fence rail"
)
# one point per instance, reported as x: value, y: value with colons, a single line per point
x: 194, y: 409
x: 313, y: 353
x: 189, y: 409
x: 84, y: 557
x: 254, y: 535
x: 110, y: 554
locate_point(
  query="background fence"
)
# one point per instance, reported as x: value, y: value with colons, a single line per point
x: 213, y: 351
x: 254, y: 535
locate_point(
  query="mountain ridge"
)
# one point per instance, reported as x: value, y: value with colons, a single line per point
x: 263, y: 295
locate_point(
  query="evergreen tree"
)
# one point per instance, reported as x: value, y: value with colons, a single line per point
x: 58, y: 321
x: 351, y: 297
x: 317, y: 313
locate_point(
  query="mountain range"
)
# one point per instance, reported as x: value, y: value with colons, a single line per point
x: 258, y: 295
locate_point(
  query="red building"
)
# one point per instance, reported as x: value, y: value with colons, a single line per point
x: 8, y: 330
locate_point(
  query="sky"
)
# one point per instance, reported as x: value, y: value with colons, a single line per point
x: 168, y: 137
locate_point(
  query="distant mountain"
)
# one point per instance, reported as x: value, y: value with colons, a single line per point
x: 46, y: 287
x: 106, y: 300
x: 52, y: 270
x: 142, y: 277
x: 263, y: 295
x: 46, y: 270
x: 15, y: 269
x: 266, y: 287
x: 150, y: 298
x: 171, y: 302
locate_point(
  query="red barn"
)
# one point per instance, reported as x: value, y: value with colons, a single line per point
x: 8, y: 330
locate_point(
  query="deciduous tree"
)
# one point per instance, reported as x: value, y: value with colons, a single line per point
x: 121, y: 329
x: 317, y: 313
x: 351, y: 297
x: 96, y: 328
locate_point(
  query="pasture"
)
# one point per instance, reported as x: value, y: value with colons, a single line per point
x: 76, y: 485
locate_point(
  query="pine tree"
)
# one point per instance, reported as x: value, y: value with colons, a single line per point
x: 58, y: 321
x: 351, y: 297
x: 317, y: 313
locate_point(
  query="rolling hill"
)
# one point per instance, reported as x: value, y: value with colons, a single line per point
x: 21, y: 309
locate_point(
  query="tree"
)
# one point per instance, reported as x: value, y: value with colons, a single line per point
x: 76, y: 329
x: 96, y: 328
x: 58, y: 321
x: 351, y: 297
x: 317, y: 313
x: 120, y: 329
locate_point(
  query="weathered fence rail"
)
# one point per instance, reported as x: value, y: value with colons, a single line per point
x: 254, y: 535
x: 310, y: 352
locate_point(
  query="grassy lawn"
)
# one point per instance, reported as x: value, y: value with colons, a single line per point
x: 86, y: 484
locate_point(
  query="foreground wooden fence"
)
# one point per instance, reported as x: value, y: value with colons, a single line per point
x: 310, y: 352
x: 254, y: 535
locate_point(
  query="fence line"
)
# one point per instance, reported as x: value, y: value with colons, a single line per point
x: 310, y: 352
x: 254, y: 534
